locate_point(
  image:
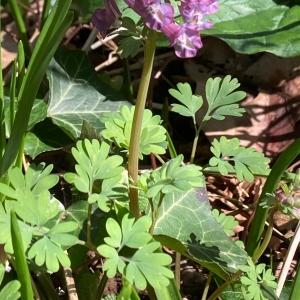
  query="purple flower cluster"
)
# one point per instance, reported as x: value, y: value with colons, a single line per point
x: 159, y: 15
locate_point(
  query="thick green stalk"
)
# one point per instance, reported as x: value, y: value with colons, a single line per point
x: 50, y: 37
x: 134, y: 147
x: 261, y: 213
x: 17, y: 16
x: 20, y: 259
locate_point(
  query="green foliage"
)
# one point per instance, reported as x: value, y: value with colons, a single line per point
x: 132, y: 38
x: 11, y: 289
x: 190, y: 103
x: 230, y: 157
x: 146, y: 261
x: 153, y: 135
x: 221, y: 96
x: 173, y: 176
x: 252, y: 26
x: 256, y: 281
x: 78, y: 93
x: 227, y: 222
x: 39, y: 217
x: 47, y: 43
x: 20, y: 263
x: 94, y: 164
x: 185, y: 223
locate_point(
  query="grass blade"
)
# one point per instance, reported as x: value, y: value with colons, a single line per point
x: 20, y: 259
x: 261, y: 214
x: 51, y: 35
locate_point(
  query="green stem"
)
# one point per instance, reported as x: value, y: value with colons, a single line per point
x: 195, y: 143
x: 223, y: 286
x: 261, y: 213
x: 89, y: 227
x: 101, y: 286
x: 134, y: 147
x: 21, y: 266
x: 17, y: 16
x: 295, y: 294
x: 177, y: 269
x: 206, y: 288
x: 267, y: 238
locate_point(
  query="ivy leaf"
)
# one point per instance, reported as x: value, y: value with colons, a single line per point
x: 222, y: 98
x: 94, y: 164
x: 153, y: 135
x: 190, y: 103
x: 185, y: 224
x: 174, y: 176
x: 78, y: 93
x: 11, y: 290
x: 145, y: 263
x: 227, y: 222
x: 229, y: 157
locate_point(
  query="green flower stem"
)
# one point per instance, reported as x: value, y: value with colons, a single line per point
x: 101, y: 286
x: 261, y: 213
x: 134, y: 147
x: 195, y: 143
x: 17, y: 16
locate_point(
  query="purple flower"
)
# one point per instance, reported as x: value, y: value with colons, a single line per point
x: 105, y: 17
x: 184, y: 38
x: 159, y: 15
x: 155, y: 13
x: 193, y: 12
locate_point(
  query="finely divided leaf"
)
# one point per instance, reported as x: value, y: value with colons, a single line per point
x: 153, y: 135
x: 231, y: 157
x: 222, y: 98
x: 95, y: 165
x: 145, y: 263
x: 190, y: 103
